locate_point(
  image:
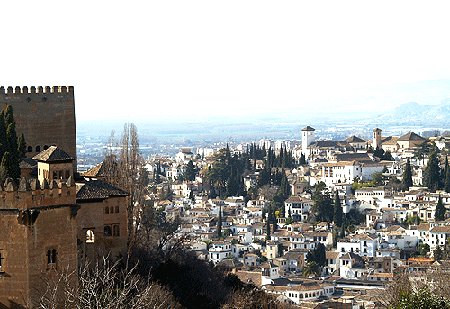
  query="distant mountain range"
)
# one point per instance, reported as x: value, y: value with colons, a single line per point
x: 416, y: 114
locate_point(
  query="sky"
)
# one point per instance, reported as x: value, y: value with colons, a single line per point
x: 172, y: 60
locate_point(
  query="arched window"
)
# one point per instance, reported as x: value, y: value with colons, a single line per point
x: 29, y: 149
x: 116, y: 230
x: 111, y: 210
x: 106, y: 210
x: 51, y: 256
x: 90, y: 237
x: 107, y: 230
x: 45, y: 147
x: 38, y: 148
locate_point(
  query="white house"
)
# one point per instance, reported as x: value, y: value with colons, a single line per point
x: 301, y: 293
x: 361, y: 244
x: 351, y: 266
x: 219, y: 250
x: 184, y: 155
x: 297, y: 207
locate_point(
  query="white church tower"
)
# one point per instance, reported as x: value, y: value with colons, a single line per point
x: 376, y: 138
x: 307, y: 138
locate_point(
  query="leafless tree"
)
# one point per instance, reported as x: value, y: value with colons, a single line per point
x: 123, y: 168
x: 105, y: 286
x: 255, y: 298
x: 434, y: 279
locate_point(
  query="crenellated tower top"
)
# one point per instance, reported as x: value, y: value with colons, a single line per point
x: 32, y: 194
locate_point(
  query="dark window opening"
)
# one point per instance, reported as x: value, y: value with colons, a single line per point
x: 52, y: 256
x: 106, y: 210
x: 107, y: 230
x: 1, y: 263
x: 116, y: 230
x: 29, y: 149
x: 45, y: 147
x: 38, y: 148
x: 117, y: 209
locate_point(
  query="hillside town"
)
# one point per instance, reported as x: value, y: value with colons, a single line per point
x: 269, y: 224
x: 315, y: 223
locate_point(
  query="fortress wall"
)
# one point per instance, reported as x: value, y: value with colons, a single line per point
x: 45, y: 115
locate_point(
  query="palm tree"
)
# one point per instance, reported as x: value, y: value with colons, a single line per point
x: 311, y: 268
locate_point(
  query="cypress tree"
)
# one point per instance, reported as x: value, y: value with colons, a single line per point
x: 439, y: 214
x: 407, y: 176
x: 21, y: 146
x: 190, y: 171
x: 268, y: 221
x: 9, y: 148
x: 8, y: 115
x: 284, y: 186
x: 219, y: 223
x: 432, y: 171
x: 338, y: 213
x: 6, y: 164
x: 3, y: 141
x: 446, y: 176
x: 282, y: 159
x: 302, y: 159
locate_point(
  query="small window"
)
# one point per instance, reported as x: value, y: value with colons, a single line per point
x: 111, y: 210
x: 38, y: 148
x: 1, y: 262
x: 107, y: 230
x: 116, y: 230
x: 29, y: 149
x: 52, y: 256
x: 106, y: 210
x: 117, y: 209
x: 90, y: 237
x: 45, y: 147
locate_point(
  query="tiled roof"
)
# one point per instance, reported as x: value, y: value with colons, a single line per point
x: 27, y: 163
x: 296, y: 199
x: 308, y: 128
x: 332, y: 255
x: 423, y: 227
x: 353, y: 156
x: 95, y: 171
x: 411, y: 136
x: 98, y: 189
x: 441, y: 229
x: 354, y: 139
x: 52, y: 154
x: 329, y: 144
x: 390, y: 140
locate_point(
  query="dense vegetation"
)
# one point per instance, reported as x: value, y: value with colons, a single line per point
x: 12, y: 148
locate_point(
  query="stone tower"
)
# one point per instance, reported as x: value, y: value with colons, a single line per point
x: 376, y: 138
x: 308, y: 137
x: 38, y: 239
x: 45, y: 116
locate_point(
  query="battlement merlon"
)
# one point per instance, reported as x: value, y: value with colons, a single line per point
x: 31, y: 194
x: 17, y: 90
x: 35, y: 90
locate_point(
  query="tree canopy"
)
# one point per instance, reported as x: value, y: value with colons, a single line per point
x: 12, y: 149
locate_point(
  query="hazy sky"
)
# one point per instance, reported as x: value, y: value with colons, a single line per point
x: 161, y: 59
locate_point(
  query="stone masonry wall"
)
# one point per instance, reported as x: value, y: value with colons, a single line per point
x: 34, y: 222
x: 45, y: 115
